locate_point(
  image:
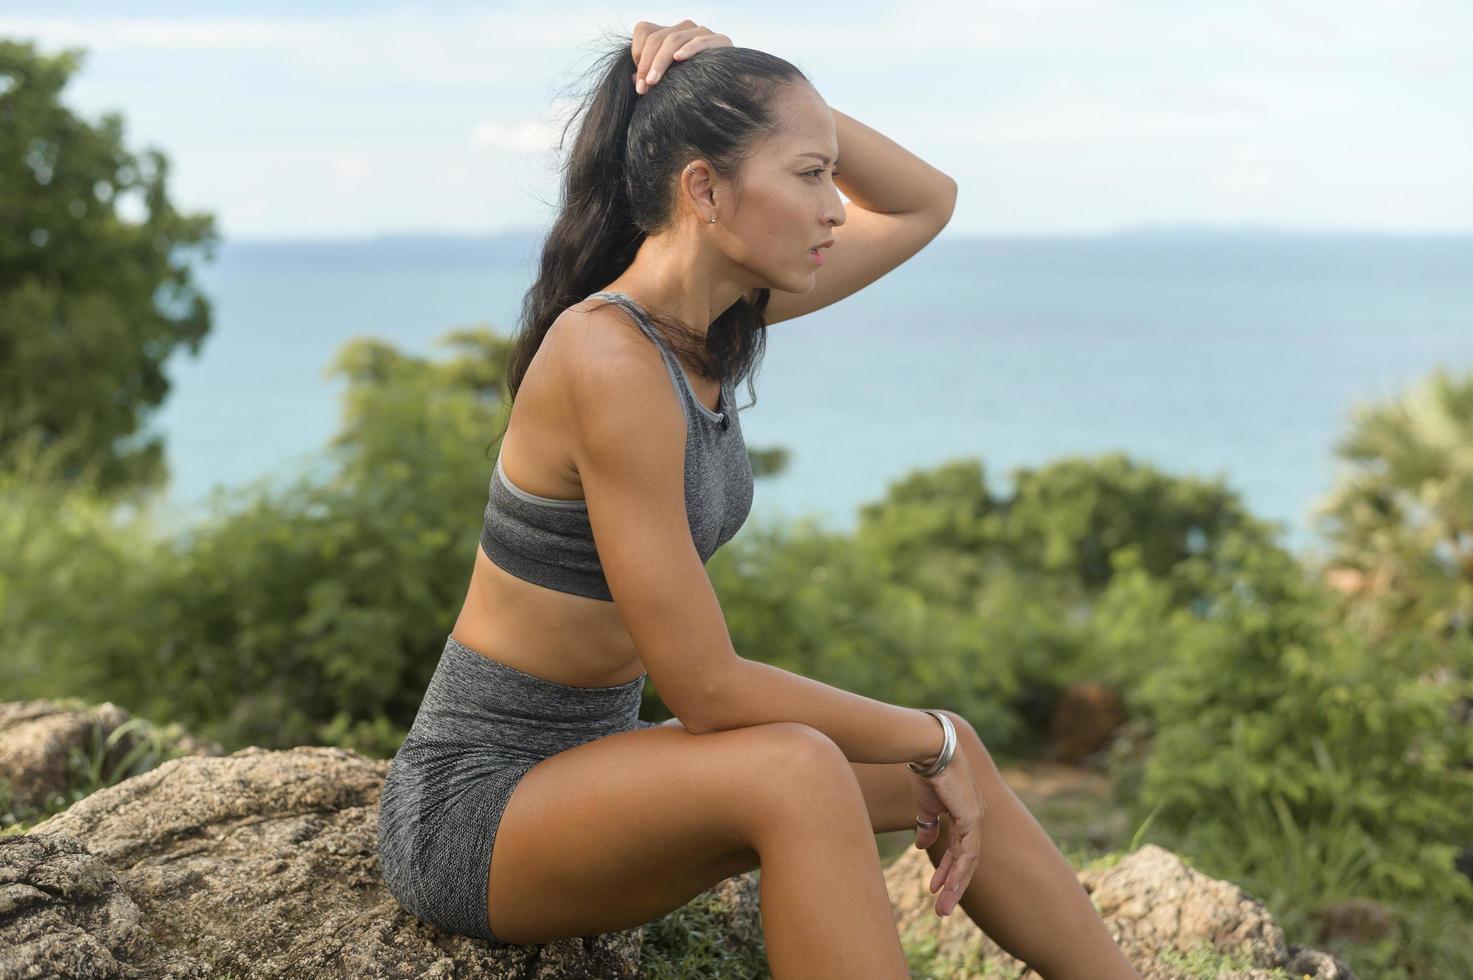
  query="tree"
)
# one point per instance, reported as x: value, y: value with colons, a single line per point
x: 1400, y: 521
x: 91, y: 304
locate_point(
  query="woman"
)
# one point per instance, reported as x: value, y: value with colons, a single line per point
x: 698, y: 194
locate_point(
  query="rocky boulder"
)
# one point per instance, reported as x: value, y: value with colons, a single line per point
x: 1160, y: 911
x: 264, y: 864
x: 256, y: 864
x: 1084, y: 721
x: 44, y: 742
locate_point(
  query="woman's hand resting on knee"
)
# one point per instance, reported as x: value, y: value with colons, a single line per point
x: 952, y: 791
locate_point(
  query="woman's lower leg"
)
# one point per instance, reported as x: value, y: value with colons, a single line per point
x: 825, y: 910
x: 1025, y: 896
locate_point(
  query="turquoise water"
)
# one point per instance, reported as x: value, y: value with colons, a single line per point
x: 1238, y: 354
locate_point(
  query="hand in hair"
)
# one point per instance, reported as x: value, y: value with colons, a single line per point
x: 655, y: 47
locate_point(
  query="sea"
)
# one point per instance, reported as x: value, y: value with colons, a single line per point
x: 1239, y: 354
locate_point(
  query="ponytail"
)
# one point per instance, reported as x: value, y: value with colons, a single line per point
x: 618, y: 187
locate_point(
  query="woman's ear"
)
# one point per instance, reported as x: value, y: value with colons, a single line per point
x: 700, y: 188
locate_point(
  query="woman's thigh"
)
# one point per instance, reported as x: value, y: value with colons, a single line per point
x: 886, y: 786
x: 628, y: 828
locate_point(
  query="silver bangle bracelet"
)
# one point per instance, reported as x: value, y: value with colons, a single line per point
x: 948, y: 747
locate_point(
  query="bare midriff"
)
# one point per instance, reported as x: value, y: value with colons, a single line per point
x: 559, y: 636
x: 565, y: 638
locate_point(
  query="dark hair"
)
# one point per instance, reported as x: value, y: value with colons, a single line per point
x: 618, y: 187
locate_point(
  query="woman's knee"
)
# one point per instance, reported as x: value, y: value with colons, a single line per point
x: 800, y: 769
x: 796, y: 746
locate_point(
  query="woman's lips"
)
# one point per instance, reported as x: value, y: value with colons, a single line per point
x: 816, y: 257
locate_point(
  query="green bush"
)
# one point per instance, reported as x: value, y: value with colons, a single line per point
x: 1289, y: 753
x: 295, y: 613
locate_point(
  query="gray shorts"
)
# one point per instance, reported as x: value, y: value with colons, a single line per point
x: 481, y: 726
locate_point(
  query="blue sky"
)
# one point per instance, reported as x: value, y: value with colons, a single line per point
x: 343, y: 120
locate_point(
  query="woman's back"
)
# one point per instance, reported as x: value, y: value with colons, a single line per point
x: 537, y: 599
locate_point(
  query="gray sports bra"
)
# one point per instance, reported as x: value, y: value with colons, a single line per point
x: 549, y: 541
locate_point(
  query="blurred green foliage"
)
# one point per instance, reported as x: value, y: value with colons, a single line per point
x: 1290, y: 753
x: 300, y: 613
x: 1401, y: 518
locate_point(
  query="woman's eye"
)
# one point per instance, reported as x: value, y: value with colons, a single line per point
x: 819, y: 171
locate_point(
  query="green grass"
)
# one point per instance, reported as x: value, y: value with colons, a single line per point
x: 152, y: 746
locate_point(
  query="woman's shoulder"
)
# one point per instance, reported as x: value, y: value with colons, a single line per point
x: 600, y: 350
x: 595, y: 328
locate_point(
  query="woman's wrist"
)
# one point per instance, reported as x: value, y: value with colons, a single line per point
x: 929, y: 736
x: 933, y: 736
x: 935, y: 765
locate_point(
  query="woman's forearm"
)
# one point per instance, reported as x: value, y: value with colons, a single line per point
x: 878, y: 174
x: 755, y: 693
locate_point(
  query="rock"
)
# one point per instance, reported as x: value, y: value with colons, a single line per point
x: 63, y: 913
x: 257, y: 864
x: 37, y: 738
x: 264, y: 864
x: 1155, y: 906
x: 1357, y: 920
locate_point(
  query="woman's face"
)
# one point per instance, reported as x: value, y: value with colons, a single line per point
x: 789, y: 203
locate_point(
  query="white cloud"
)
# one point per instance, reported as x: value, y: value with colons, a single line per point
x: 128, y: 33
x: 1091, y: 112
x: 1296, y: 19
x: 478, y: 47
x: 521, y: 136
x: 348, y: 168
x: 1087, y: 120
x: 1252, y: 170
